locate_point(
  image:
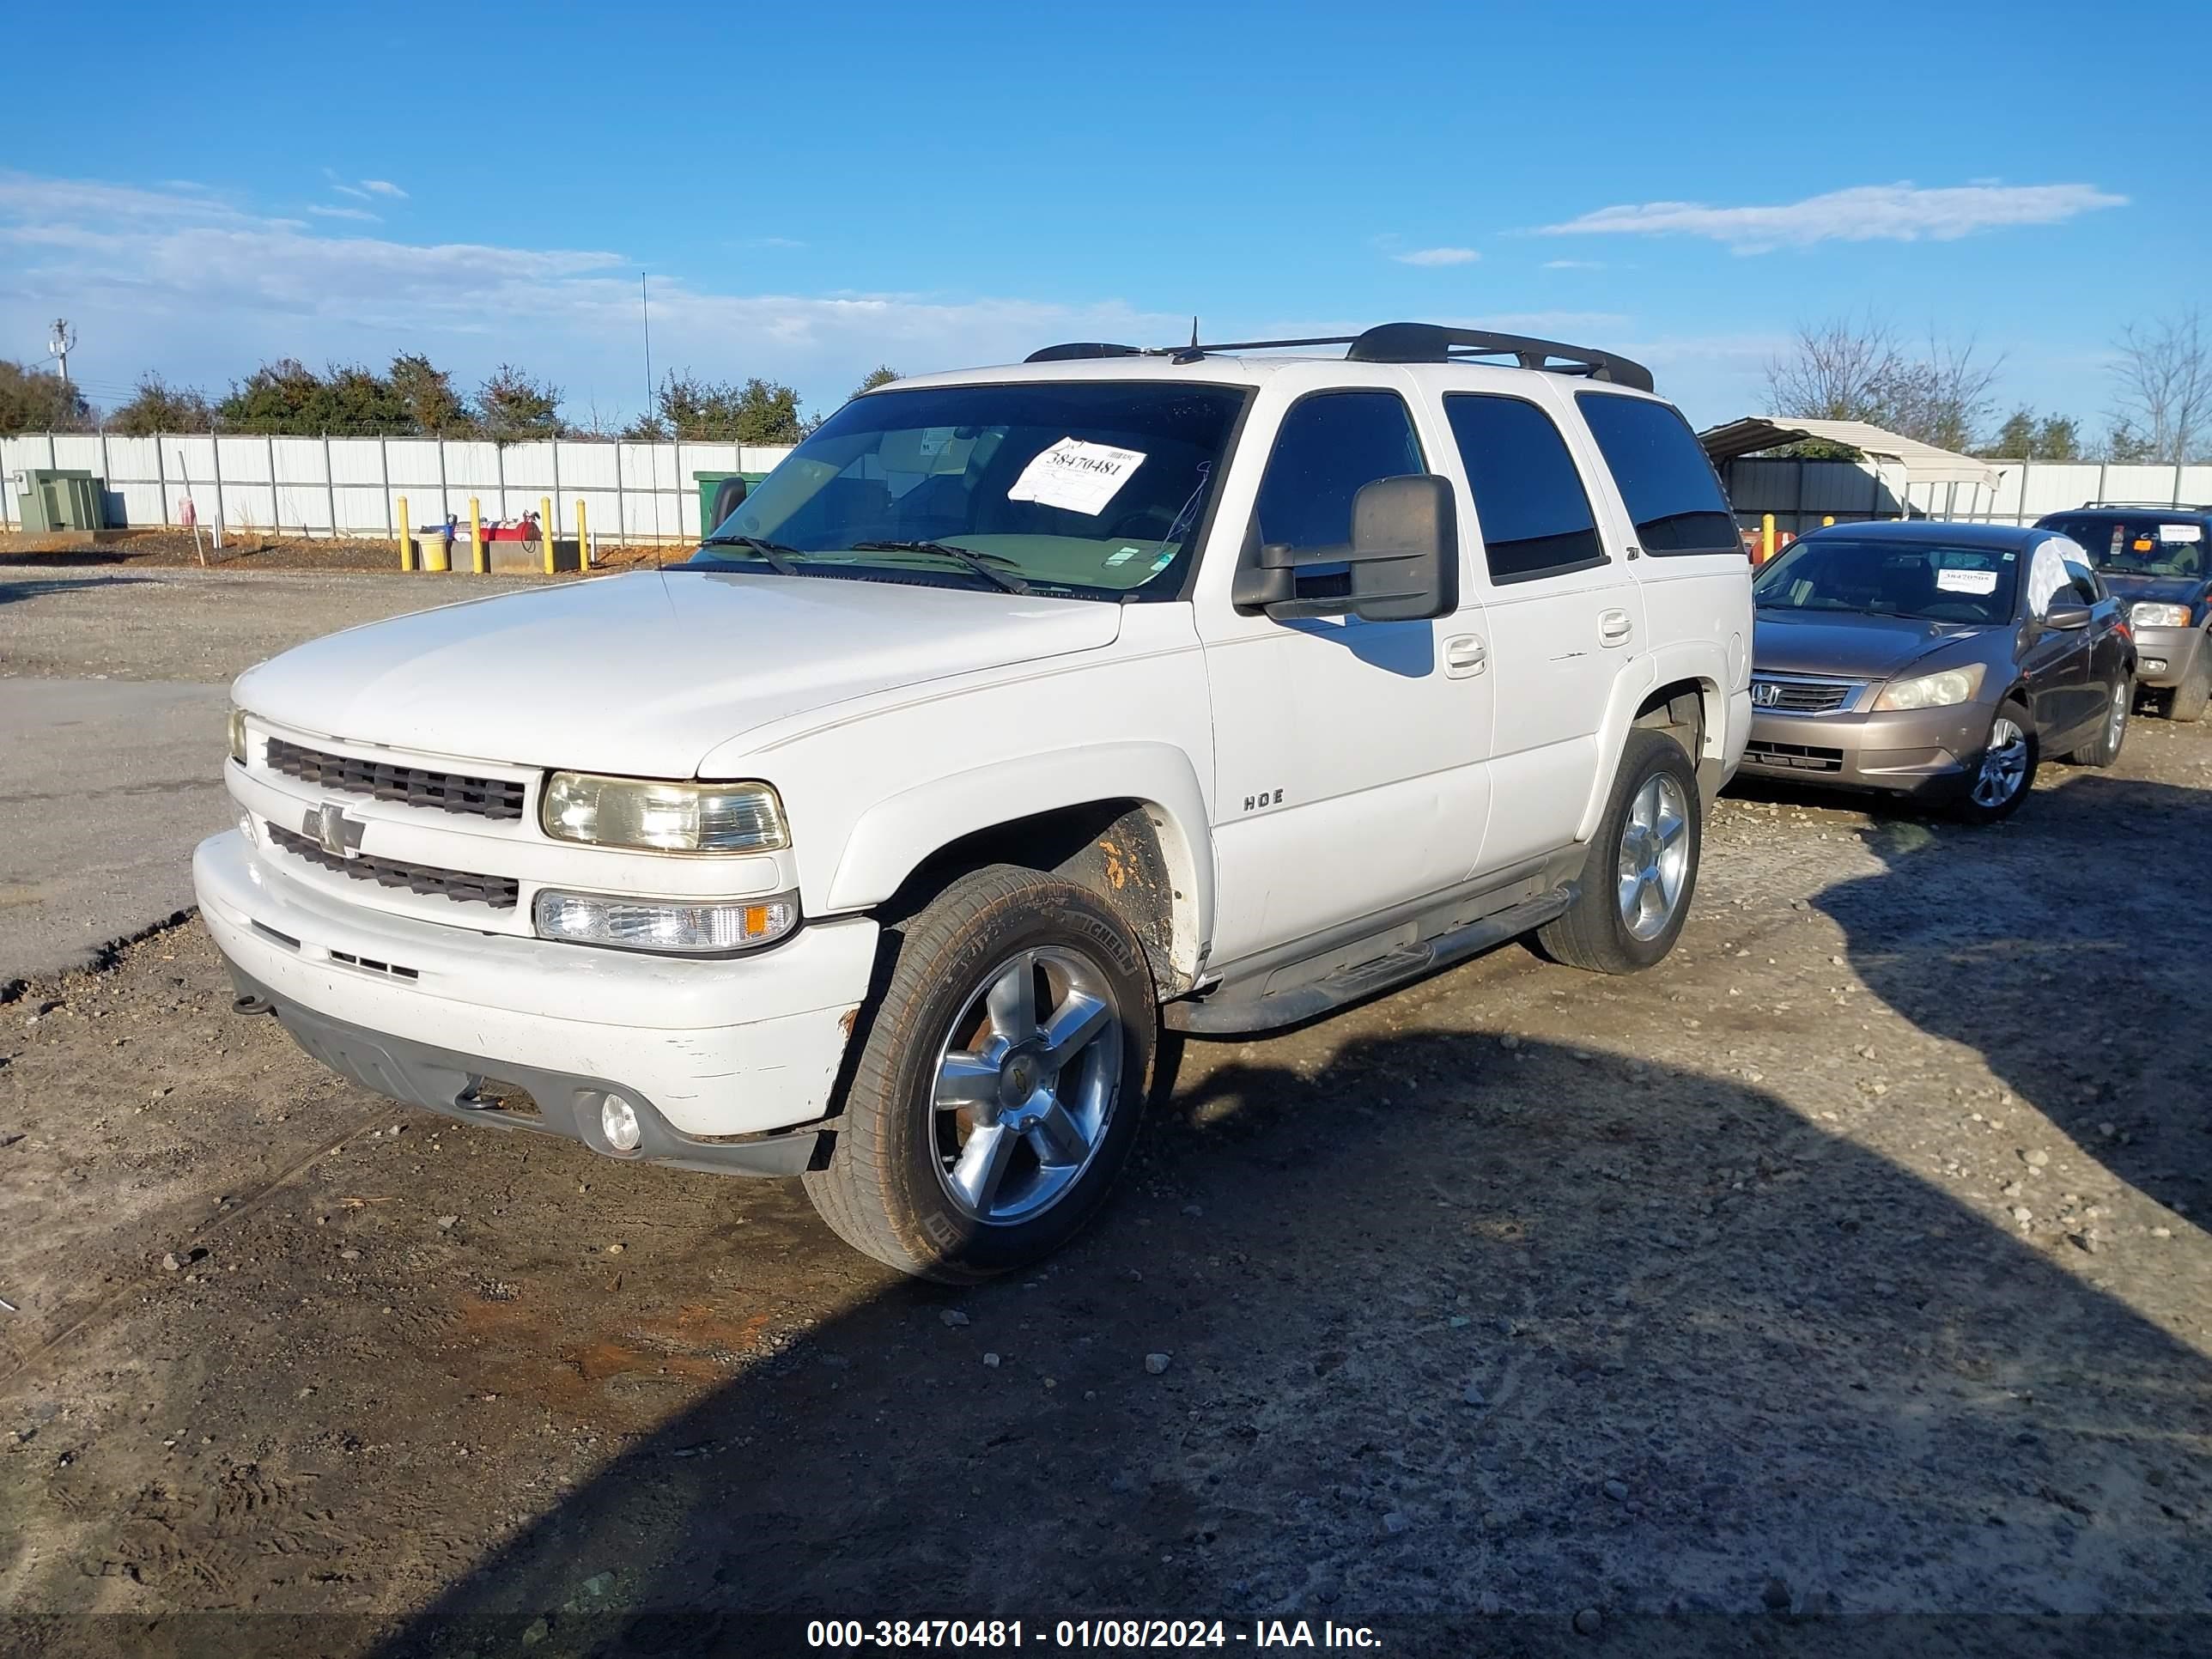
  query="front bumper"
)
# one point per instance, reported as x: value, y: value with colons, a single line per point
x: 417, y: 1010
x: 2167, y: 656
x: 1921, y: 751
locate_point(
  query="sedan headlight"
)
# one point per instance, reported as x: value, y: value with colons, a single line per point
x: 238, y: 734
x: 667, y: 817
x: 680, y: 926
x: 1953, y: 685
x: 2159, y: 615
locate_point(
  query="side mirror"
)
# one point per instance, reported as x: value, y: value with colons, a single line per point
x: 2067, y: 616
x: 729, y: 497
x: 1403, y: 559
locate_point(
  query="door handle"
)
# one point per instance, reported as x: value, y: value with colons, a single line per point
x: 1615, y: 627
x: 1466, y: 655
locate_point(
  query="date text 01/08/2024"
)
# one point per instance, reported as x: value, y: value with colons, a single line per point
x: 942, y: 1635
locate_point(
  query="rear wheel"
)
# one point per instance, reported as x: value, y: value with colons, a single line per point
x: 2106, y: 748
x: 1642, y: 868
x: 2187, y: 700
x: 998, y: 1090
x: 2003, y: 772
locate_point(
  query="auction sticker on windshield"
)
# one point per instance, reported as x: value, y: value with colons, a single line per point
x: 2181, y: 532
x: 1076, y: 475
x: 1966, y: 582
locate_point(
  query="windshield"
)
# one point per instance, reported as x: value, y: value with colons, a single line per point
x: 1927, y: 581
x: 2138, y: 546
x: 1087, y: 490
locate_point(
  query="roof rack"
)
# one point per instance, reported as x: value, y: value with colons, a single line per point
x: 2149, y: 507
x: 1397, y: 342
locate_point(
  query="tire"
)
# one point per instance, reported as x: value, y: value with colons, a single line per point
x: 2113, y: 733
x: 2186, y: 702
x: 960, y: 1193
x: 1611, y: 928
x: 2002, y: 775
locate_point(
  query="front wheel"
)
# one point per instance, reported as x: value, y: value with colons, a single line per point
x: 2004, y: 772
x: 997, y: 1091
x: 1642, y: 867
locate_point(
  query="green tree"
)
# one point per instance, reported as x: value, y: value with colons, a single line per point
x: 2058, y: 439
x: 425, y: 391
x: 34, y: 399
x: 2015, y: 439
x: 157, y: 406
x: 881, y: 375
x: 2124, y: 444
x: 754, y: 412
x: 511, y: 407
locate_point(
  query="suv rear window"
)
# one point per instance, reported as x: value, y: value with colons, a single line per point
x: 1529, y: 498
x: 1665, y: 478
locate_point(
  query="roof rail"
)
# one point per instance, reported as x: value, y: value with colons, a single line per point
x: 1397, y: 342
x: 2151, y: 507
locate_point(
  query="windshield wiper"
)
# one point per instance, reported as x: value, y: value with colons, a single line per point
x: 981, y: 563
x: 778, y: 556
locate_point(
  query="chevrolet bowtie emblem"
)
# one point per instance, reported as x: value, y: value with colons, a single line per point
x: 338, y: 835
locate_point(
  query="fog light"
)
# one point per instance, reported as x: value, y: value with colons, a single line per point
x: 2154, y: 664
x: 618, y: 1123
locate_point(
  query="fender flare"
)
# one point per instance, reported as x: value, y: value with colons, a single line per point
x: 892, y: 838
x: 1703, y: 662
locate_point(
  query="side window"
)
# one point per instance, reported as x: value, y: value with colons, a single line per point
x: 1328, y: 446
x: 1669, y: 484
x: 2086, y: 586
x: 1528, y: 497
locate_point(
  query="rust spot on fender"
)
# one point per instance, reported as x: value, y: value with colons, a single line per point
x: 848, y: 1019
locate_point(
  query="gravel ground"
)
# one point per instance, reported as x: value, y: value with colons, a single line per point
x: 1849, y: 1264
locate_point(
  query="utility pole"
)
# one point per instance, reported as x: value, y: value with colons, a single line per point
x: 59, y: 343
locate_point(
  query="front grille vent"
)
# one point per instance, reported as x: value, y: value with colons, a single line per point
x: 1771, y: 693
x: 1797, y: 756
x: 445, y: 792
x: 500, y: 893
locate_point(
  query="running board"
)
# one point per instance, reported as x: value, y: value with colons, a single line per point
x: 1221, y: 1016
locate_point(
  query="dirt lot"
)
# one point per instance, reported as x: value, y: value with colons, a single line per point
x: 256, y: 551
x: 1849, y: 1264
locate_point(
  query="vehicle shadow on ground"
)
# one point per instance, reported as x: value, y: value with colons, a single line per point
x: 2089, y: 1000
x: 1452, y: 1327
x: 12, y: 589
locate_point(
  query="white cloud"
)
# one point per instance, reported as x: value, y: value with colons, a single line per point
x: 1900, y: 212
x: 382, y: 187
x: 1438, y: 256
x: 348, y: 190
x: 344, y: 213
x: 773, y: 241
x: 1574, y: 265
x: 201, y: 291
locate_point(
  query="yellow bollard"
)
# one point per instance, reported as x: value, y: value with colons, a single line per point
x: 406, y: 539
x: 478, y: 560
x: 1766, y: 537
x: 1827, y: 519
x: 583, y: 539
x: 545, y: 529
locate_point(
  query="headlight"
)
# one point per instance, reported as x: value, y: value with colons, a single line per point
x: 685, y: 927
x: 1953, y: 685
x: 668, y: 818
x: 238, y: 734
x: 2159, y: 615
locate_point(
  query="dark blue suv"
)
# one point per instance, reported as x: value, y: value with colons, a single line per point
x: 2158, y: 563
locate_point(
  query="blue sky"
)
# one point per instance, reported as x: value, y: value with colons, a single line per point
x: 817, y: 189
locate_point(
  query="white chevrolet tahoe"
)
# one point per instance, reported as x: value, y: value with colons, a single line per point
x: 1020, y: 713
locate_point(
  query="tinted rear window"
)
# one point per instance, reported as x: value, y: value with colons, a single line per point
x: 1529, y: 498
x: 1669, y: 486
x: 2140, y: 543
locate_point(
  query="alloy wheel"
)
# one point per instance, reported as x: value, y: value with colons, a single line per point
x: 2004, y: 764
x: 1027, y: 1080
x: 1654, y: 857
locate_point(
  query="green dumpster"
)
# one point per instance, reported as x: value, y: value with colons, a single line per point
x: 710, y: 484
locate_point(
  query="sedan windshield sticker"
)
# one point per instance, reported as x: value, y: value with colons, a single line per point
x: 1966, y: 582
x: 1076, y: 477
x: 2181, y: 532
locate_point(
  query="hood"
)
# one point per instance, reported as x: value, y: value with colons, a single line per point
x: 1848, y: 646
x: 643, y: 674
x: 2169, y: 590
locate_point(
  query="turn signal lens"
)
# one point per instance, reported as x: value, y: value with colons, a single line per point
x: 672, y: 927
x: 1953, y: 685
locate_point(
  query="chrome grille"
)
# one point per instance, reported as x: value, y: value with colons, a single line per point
x: 498, y: 893
x: 1776, y: 694
x: 415, y: 785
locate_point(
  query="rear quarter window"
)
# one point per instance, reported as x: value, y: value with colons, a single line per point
x: 1663, y: 475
